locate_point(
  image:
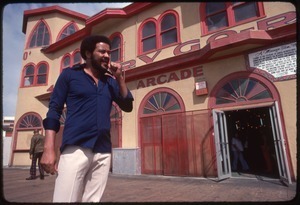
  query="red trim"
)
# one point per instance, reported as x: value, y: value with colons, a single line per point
x: 44, y: 97
x: 49, y: 10
x: 50, y: 89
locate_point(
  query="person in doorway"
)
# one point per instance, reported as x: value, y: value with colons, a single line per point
x: 35, y: 154
x: 88, y: 90
x: 238, y: 153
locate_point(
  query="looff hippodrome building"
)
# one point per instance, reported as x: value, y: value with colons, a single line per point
x: 199, y: 72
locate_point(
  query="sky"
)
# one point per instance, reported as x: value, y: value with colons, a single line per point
x: 13, y: 42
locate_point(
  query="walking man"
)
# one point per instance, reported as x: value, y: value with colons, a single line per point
x: 35, y: 154
x: 88, y: 90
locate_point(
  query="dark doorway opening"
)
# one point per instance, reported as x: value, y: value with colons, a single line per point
x: 255, y: 130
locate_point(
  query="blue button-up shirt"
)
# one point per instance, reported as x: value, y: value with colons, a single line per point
x: 87, y: 121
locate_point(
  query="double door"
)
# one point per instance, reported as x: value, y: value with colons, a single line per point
x: 223, y: 149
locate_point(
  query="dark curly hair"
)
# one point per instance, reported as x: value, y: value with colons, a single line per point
x: 89, y: 44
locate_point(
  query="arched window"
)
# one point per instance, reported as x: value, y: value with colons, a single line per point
x: 218, y: 15
x: 156, y: 34
x: 35, y: 75
x: 70, y: 60
x: 242, y: 90
x: 149, y: 36
x: 40, y: 36
x: 76, y: 58
x: 116, y: 48
x: 168, y: 30
x: 28, y: 75
x: 42, y: 74
x: 161, y: 100
x: 70, y: 29
x: 66, y: 62
x: 30, y: 121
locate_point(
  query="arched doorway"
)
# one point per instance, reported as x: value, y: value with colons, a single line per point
x: 248, y: 104
x: 157, y: 150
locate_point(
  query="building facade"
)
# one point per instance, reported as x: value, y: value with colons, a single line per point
x: 199, y: 73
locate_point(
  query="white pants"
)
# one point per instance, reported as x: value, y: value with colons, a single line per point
x: 82, y: 175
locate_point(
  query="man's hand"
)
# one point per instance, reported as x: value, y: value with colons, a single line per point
x: 49, y: 160
x: 117, y: 70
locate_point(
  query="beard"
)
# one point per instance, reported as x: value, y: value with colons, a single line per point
x: 99, y: 65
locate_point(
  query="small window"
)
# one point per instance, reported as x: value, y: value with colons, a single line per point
x: 40, y: 36
x: 29, y: 75
x: 218, y: 15
x: 69, y: 61
x: 149, y: 36
x: 77, y: 58
x: 244, y: 11
x: 157, y: 34
x: 168, y: 30
x: 34, y: 76
x: 116, y: 49
x: 66, y: 62
x: 42, y: 74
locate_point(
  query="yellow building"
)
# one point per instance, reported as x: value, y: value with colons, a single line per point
x: 199, y: 72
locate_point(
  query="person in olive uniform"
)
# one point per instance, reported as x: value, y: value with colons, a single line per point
x: 35, y: 154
